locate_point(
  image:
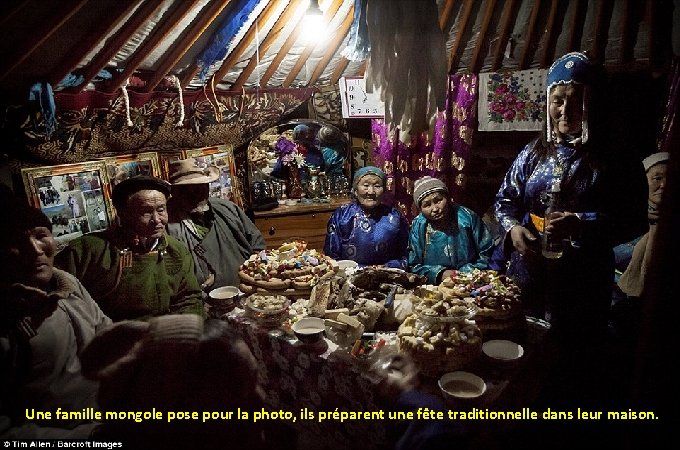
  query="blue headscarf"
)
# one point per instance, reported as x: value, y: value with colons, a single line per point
x: 572, y: 68
x: 303, y: 133
x: 367, y: 170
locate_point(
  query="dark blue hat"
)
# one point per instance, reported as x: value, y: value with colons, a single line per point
x: 123, y: 190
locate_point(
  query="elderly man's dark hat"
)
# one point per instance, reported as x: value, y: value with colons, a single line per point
x: 123, y: 190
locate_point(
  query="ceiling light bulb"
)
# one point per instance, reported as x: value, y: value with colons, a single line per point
x: 312, y: 23
x: 313, y: 9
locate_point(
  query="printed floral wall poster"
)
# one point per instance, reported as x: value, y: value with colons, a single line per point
x: 512, y: 101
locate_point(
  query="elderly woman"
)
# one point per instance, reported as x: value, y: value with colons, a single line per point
x: 135, y: 270
x: 366, y: 230
x: 445, y: 237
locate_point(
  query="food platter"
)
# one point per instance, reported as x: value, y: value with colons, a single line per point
x: 290, y: 270
x: 269, y: 310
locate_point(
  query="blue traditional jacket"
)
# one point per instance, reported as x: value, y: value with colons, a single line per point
x: 378, y: 238
x: 466, y: 245
x: 609, y: 200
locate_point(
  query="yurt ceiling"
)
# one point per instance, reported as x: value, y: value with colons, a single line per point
x: 149, y: 45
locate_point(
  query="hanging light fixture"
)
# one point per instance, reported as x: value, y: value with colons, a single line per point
x: 313, y: 9
x: 312, y: 22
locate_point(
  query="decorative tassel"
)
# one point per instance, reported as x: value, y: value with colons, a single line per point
x: 410, y: 74
x: 42, y: 93
x: 126, y: 102
x: 180, y: 122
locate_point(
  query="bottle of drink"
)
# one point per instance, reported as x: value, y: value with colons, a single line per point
x: 551, y: 246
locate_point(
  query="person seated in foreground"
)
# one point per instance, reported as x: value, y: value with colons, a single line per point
x: 176, y: 363
x: 135, y: 270
x: 47, y: 317
x: 217, y: 232
x: 399, y: 389
x: 366, y: 230
x: 445, y: 237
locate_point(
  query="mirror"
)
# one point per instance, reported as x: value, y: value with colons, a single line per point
x: 297, y: 159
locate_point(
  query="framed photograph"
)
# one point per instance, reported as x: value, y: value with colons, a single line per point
x: 75, y: 197
x: 122, y: 167
x: 228, y: 185
x: 165, y: 159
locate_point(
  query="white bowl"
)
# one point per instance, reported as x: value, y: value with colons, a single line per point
x: 309, y: 330
x: 502, y: 350
x: 461, y: 385
x: 222, y: 300
x: 347, y: 264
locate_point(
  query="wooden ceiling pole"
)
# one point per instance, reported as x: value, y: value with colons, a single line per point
x: 70, y: 61
x: 473, y: 65
x: 151, y: 43
x: 285, y: 17
x: 602, y: 20
x: 290, y: 41
x: 551, y: 36
x: 188, y: 75
x: 113, y: 46
x: 339, y: 70
x: 628, y: 28
x: 14, y: 9
x: 302, y: 59
x: 453, y: 57
x: 362, y: 68
x: 530, y: 37
x: 446, y: 14
x: 333, y: 46
x: 463, y: 24
x: 198, y: 26
x: 507, y: 18
x: 247, y: 39
x: 35, y: 40
x: 576, y: 28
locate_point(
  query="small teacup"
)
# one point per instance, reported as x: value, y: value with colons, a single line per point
x: 222, y: 300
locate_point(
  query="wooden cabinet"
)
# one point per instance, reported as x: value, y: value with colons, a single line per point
x: 303, y: 221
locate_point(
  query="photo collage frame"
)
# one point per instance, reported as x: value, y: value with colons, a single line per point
x: 76, y: 198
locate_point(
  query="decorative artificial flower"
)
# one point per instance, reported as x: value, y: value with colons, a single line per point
x: 289, y: 153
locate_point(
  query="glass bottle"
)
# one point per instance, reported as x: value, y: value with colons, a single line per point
x: 551, y: 246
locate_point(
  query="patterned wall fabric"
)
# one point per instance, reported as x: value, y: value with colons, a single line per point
x: 94, y: 124
x: 442, y: 156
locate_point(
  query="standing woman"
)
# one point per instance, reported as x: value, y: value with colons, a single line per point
x: 366, y: 230
x: 598, y: 208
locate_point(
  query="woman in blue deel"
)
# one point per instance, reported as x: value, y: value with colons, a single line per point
x: 445, y: 237
x: 366, y: 230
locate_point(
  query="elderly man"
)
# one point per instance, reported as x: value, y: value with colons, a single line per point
x: 46, y: 319
x: 632, y: 279
x: 217, y: 232
x: 134, y: 270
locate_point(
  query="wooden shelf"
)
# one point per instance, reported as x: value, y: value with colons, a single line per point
x: 306, y: 221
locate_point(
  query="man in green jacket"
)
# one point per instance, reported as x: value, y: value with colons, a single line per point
x: 135, y: 270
